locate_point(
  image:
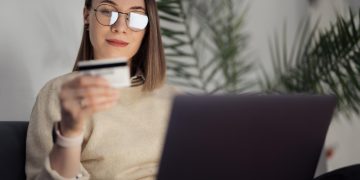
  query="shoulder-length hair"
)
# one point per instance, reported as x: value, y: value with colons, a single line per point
x: 150, y: 57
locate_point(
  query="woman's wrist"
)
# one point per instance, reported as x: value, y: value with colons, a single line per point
x: 66, y: 141
x: 69, y: 132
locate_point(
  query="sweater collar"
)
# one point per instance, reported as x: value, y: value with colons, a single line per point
x: 138, y: 79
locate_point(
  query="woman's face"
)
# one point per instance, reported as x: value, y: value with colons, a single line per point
x: 117, y: 40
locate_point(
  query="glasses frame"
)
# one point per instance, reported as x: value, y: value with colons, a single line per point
x: 119, y: 16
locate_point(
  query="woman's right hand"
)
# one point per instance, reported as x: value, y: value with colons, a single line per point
x: 80, y: 98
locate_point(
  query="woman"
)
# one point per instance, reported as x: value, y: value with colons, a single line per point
x: 80, y: 126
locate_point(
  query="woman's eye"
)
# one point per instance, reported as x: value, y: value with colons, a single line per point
x: 106, y: 12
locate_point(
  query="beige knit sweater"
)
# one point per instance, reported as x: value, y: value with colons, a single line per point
x: 124, y: 142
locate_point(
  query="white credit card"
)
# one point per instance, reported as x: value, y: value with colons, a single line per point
x: 116, y: 71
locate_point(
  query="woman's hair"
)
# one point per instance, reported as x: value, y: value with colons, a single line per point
x: 150, y: 56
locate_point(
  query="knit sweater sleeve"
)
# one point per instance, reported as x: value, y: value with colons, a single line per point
x: 39, y: 143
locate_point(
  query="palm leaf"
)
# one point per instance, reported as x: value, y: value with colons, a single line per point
x: 204, y: 51
x: 325, y: 61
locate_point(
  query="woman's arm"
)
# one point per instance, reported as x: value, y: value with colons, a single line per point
x: 79, y: 99
x: 66, y: 161
x: 44, y: 159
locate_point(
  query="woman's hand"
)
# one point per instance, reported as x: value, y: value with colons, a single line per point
x: 80, y: 98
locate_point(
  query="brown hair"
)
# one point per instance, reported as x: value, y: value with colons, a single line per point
x: 150, y: 56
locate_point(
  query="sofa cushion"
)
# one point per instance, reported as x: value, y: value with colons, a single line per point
x: 12, y: 149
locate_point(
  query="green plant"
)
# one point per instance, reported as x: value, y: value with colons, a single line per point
x: 321, y: 61
x: 205, y: 45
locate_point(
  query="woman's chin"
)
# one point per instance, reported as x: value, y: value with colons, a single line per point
x: 114, y: 56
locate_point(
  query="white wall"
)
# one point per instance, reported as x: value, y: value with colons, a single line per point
x: 266, y: 17
x: 39, y: 40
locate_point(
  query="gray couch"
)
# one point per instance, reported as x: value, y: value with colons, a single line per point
x: 12, y: 150
x: 13, y: 145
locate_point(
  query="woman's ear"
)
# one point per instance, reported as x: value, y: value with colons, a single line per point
x: 86, y: 14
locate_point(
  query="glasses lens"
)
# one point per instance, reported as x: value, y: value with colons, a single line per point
x: 106, y: 15
x: 137, y: 21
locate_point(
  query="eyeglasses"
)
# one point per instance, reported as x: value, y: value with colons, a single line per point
x: 108, y: 15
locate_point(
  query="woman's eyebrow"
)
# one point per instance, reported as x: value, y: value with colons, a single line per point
x: 137, y: 8
x: 109, y: 1
x: 132, y: 8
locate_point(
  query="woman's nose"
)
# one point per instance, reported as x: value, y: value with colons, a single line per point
x: 120, y: 25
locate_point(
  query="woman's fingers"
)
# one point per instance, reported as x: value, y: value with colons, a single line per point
x: 89, y: 101
x: 88, y: 92
x: 83, y: 96
x: 87, y: 80
x: 86, y: 86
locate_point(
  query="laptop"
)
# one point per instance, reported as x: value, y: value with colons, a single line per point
x: 245, y: 137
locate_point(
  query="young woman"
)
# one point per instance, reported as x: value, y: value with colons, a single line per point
x: 80, y: 126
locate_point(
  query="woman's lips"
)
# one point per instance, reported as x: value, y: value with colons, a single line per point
x: 117, y: 43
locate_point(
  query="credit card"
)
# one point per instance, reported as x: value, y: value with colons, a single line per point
x: 116, y: 71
